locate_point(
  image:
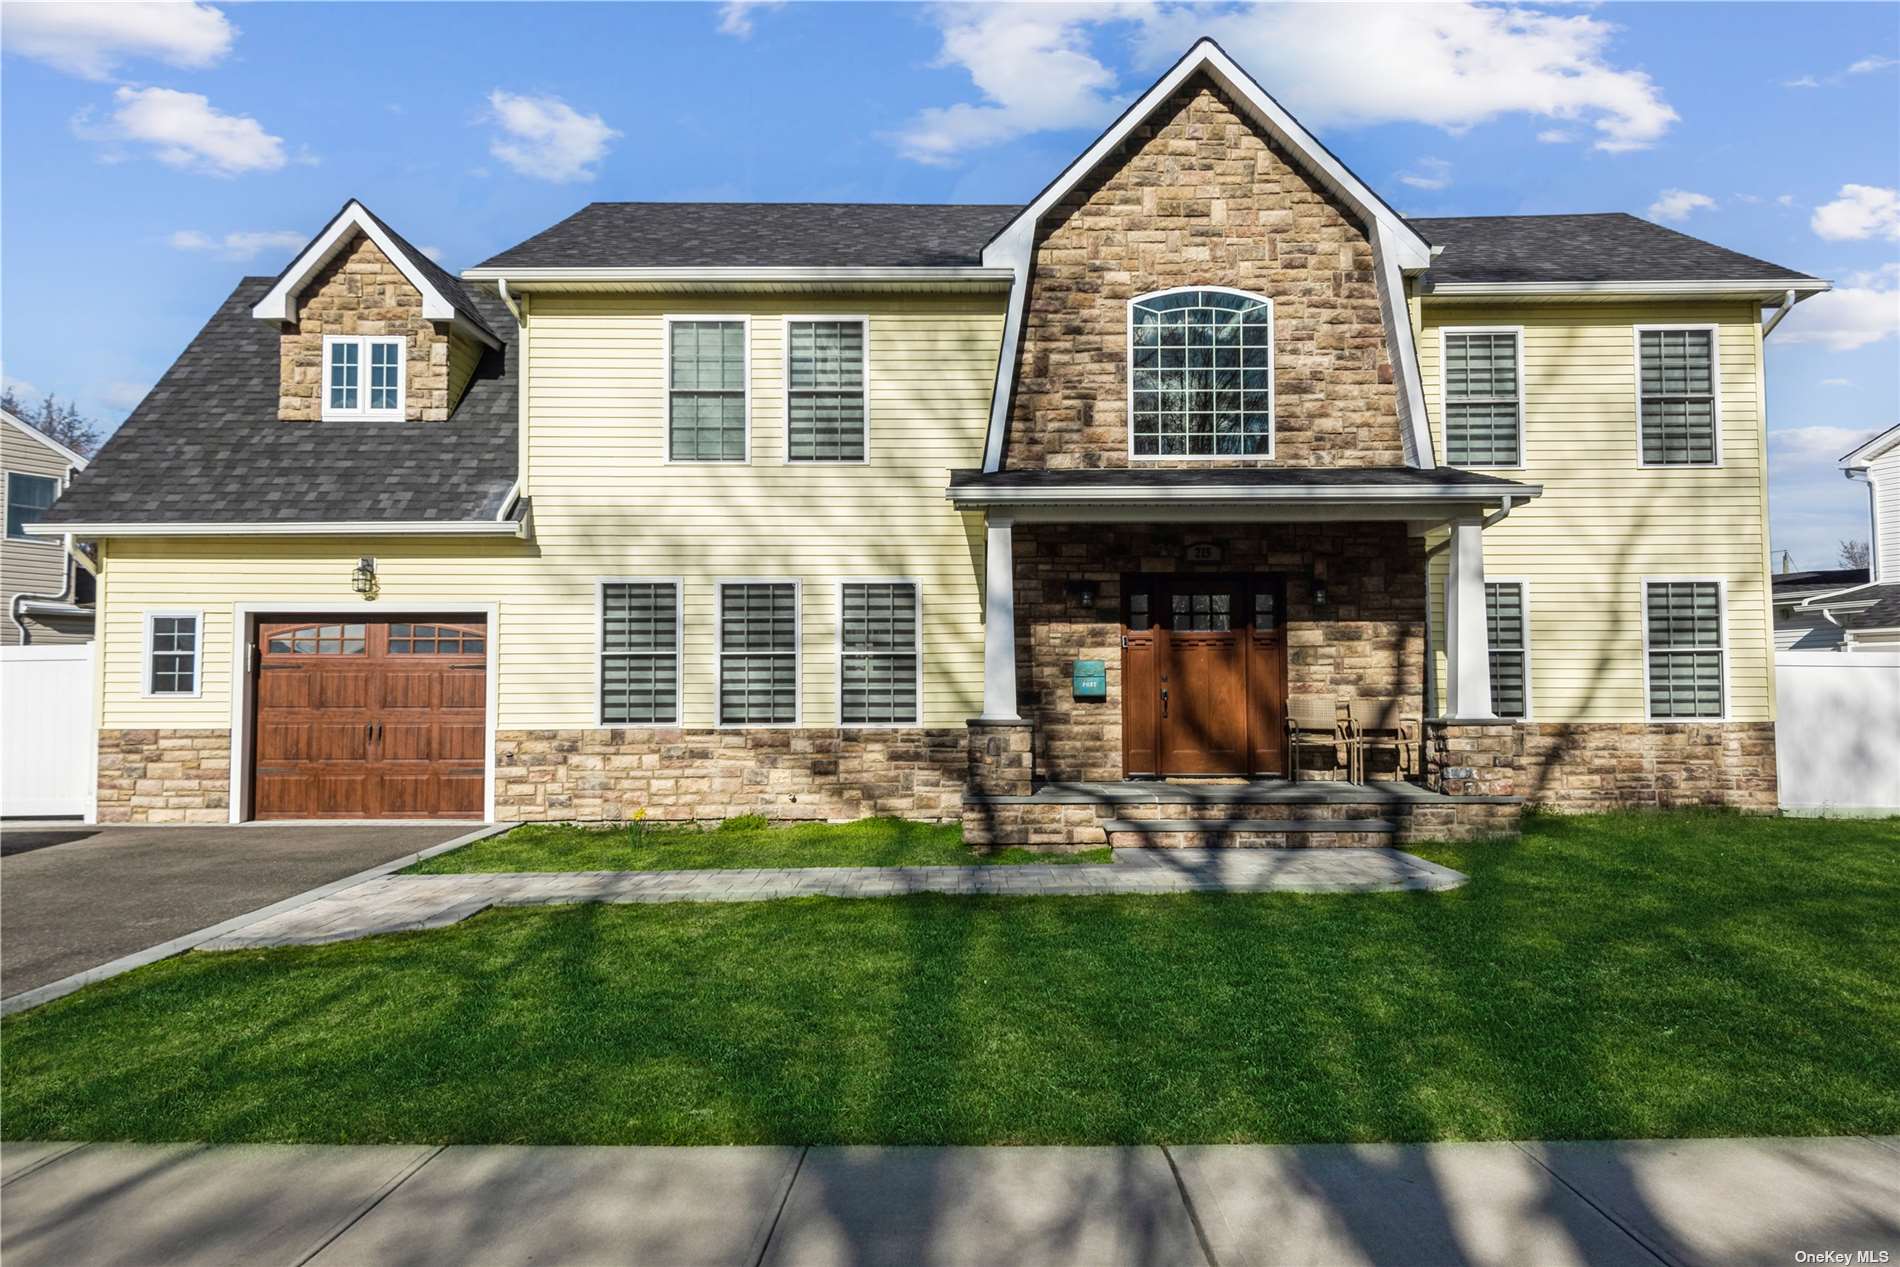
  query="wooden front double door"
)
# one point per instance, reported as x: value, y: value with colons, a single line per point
x: 358, y: 718
x: 1203, y: 675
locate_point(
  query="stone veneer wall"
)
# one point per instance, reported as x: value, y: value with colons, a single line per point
x: 1368, y: 642
x: 1198, y: 197
x: 164, y: 776
x: 362, y: 292
x: 707, y: 775
x: 1584, y: 767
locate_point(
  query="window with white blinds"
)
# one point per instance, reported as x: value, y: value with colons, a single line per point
x: 824, y: 380
x: 639, y: 653
x: 1483, y: 398
x: 758, y: 653
x: 1682, y: 630
x: 1677, y: 368
x: 878, y: 649
x: 1508, y: 628
x: 706, y: 390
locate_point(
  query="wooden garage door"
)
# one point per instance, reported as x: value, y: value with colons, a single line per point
x: 370, y: 718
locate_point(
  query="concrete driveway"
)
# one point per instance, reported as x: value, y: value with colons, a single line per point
x: 73, y: 897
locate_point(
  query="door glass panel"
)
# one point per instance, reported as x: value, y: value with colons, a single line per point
x: 1266, y: 610
x: 433, y: 640
x: 1203, y: 613
x: 318, y: 640
x: 1138, y: 614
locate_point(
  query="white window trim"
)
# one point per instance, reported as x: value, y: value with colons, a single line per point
x: 798, y: 651
x: 785, y: 384
x: 668, y: 321
x: 59, y: 487
x: 917, y: 590
x: 152, y: 614
x: 1444, y: 404
x: 1715, y: 385
x: 1273, y: 401
x: 363, y: 412
x: 679, y: 652
x: 1721, y: 638
x: 1524, y: 590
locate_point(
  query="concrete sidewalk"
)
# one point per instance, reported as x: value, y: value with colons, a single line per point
x: 1672, y: 1202
x: 409, y: 903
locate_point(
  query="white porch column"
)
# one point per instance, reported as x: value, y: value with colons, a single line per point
x: 1467, y: 641
x: 999, y: 622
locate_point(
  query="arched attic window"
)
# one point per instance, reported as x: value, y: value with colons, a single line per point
x: 1200, y: 382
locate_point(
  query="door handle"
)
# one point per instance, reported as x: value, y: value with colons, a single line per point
x: 1164, y: 701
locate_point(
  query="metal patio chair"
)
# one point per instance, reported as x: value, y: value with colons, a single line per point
x: 1376, y: 724
x: 1312, y: 721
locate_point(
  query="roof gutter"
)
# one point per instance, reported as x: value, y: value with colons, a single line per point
x: 1741, y: 288
x: 522, y: 278
x: 340, y: 528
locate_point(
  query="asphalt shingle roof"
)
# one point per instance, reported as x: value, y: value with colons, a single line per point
x: 1610, y: 247
x: 1607, y: 247
x: 1868, y: 607
x: 206, y: 445
x: 762, y: 235
x: 441, y: 278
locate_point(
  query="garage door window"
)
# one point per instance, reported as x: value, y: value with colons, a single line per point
x: 434, y: 640
x: 318, y: 640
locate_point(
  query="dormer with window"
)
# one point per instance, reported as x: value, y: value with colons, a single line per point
x: 371, y: 329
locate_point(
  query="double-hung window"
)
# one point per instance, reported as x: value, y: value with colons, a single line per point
x: 1682, y: 623
x: 824, y: 390
x: 1676, y: 365
x: 1200, y: 375
x: 362, y: 376
x: 639, y: 653
x: 28, y: 497
x: 172, y: 645
x: 1483, y: 397
x: 706, y: 389
x: 1507, y: 624
x: 878, y: 668
x: 758, y: 653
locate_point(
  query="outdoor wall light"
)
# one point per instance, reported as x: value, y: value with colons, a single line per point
x: 363, y: 579
x: 1082, y: 591
x: 1319, y: 593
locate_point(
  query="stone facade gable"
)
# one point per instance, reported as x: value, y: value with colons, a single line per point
x: 362, y: 292
x: 1198, y: 196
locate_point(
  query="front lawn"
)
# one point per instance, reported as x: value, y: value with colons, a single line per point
x: 736, y: 843
x: 1615, y: 976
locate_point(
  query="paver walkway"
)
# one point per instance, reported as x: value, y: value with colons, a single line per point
x: 1644, y: 1203
x: 404, y: 903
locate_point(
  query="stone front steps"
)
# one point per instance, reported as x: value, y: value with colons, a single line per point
x: 1251, y: 833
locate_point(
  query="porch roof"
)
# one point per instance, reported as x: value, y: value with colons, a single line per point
x: 1259, y: 493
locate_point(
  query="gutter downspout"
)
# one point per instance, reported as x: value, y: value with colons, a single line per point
x: 1788, y: 300
x: 64, y: 596
x: 520, y: 488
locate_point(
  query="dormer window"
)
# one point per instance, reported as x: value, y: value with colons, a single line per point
x: 1200, y: 374
x: 362, y: 377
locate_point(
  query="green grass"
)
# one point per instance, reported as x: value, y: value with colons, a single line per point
x: 735, y: 843
x: 1617, y: 976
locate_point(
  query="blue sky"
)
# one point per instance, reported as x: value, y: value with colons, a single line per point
x: 152, y: 154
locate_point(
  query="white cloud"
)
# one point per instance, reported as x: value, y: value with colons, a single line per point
x: 1784, y: 200
x: 1555, y: 136
x: 1837, y: 382
x: 1861, y: 211
x: 735, y: 16
x: 1865, y: 310
x: 546, y: 138
x: 433, y: 252
x: 1803, y: 81
x: 123, y: 395
x: 1867, y: 65
x: 242, y: 245
x: 1428, y: 173
x: 1446, y: 65
x: 185, y: 130
x: 1820, y: 444
x: 1679, y: 204
x: 92, y: 39
x: 1033, y: 67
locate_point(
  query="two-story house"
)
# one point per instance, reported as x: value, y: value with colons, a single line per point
x: 1044, y: 516
x: 47, y: 597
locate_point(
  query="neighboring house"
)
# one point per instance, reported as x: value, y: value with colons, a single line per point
x: 1860, y: 612
x: 1799, y: 628
x: 827, y: 510
x: 48, y: 597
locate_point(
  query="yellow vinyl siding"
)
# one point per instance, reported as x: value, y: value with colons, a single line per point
x: 464, y: 355
x: 1605, y: 521
x: 606, y: 504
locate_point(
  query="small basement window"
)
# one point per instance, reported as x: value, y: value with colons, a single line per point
x: 362, y: 377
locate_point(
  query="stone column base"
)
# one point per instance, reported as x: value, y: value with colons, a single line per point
x: 1002, y: 757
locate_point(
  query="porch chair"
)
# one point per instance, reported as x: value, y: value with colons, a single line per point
x: 1312, y: 721
x: 1377, y: 724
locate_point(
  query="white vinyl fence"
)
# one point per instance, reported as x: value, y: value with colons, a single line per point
x: 47, y: 748
x: 1837, y: 739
